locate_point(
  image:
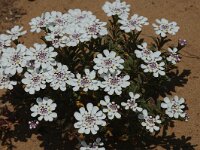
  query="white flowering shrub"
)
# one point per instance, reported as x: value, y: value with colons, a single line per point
x: 94, y: 79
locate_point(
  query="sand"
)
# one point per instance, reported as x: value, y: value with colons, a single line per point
x: 185, y: 13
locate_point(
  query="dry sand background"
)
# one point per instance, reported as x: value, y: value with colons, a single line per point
x: 185, y: 12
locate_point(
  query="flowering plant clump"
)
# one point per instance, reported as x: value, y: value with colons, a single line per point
x: 95, y: 78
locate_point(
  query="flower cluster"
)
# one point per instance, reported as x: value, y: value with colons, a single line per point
x: 11, y: 59
x: 151, y: 59
x: 120, y: 9
x: 111, y: 84
x: 68, y: 29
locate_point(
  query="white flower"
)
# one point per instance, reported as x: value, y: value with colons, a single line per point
x: 34, y: 81
x: 109, y: 63
x: 165, y: 27
x: 121, y: 9
x: 174, y: 107
x: 97, y: 145
x: 135, y: 23
x: 111, y: 108
x: 55, y: 18
x: 144, y: 53
x: 76, y: 35
x: 173, y: 57
x: 114, y: 83
x: 4, y: 41
x: 59, y: 77
x: 14, y: 59
x: 56, y: 42
x: 16, y: 32
x: 86, y: 82
x: 150, y: 122
x: 96, y: 29
x: 89, y: 120
x: 44, y: 109
x: 5, y: 82
x: 152, y: 65
x: 69, y: 29
x: 173, y: 28
x: 131, y: 103
x: 77, y: 16
x: 36, y: 24
x: 44, y: 57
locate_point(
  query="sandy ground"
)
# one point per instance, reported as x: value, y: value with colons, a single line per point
x: 185, y: 13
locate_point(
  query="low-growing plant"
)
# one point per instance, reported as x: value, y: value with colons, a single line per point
x: 101, y: 83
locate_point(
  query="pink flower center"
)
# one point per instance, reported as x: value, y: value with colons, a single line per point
x: 89, y: 120
x: 164, y: 27
x: 108, y: 62
x: 114, y: 81
x: 85, y: 81
x: 36, y: 79
x: 16, y: 58
x: 153, y: 65
x: 92, y: 29
x: 113, y: 106
x: 59, y: 75
x: 43, y: 110
x: 42, y: 55
x: 176, y: 57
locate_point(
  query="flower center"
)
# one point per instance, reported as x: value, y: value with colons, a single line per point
x: 164, y: 27
x: 146, y: 52
x: 153, y: 65
x: 176, y: 57
x: 85, y: 81
x: 41, y: 23
x: 133, y: 22
x: 59, y: 75
x: 92, y: 29
x: 89, y: 120
x: 43, y: 110
x: 108, y: 62
x: 75, y: 36
x: 150, y: 121
x: 16, y: 58
x: 42, y: 55
x: 80, y: 17
x: 117, y: 10
x: 36, y: 79
x: 114, y: 81
x: 58, y: 20
x: 113, y: 106
x: 131, y: 103
x: 175, y: 107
